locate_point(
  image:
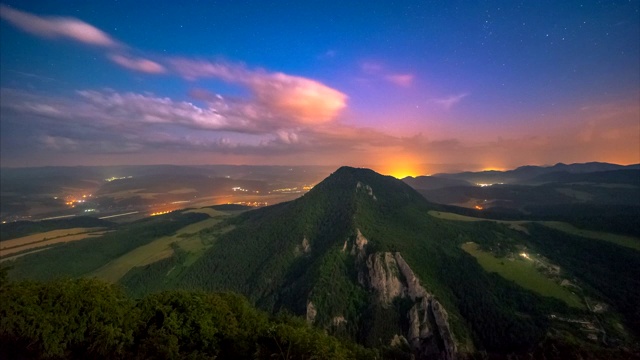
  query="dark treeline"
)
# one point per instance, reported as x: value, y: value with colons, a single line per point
x: 90, y: 319
x: 617, y: 219
x: 23, y: 228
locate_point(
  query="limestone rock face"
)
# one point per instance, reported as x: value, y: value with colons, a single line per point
x: 358, y: 247
x: 311, y: 312
x: 441, y: 317
x: 414, y: 289
x: 305, y: 245
x: 429, y: 333
x: 383, y: 277
x: 338, y: 321
x: 303, y: 248
x: 367, y: 189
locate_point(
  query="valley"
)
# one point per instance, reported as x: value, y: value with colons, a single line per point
x: 365, y: 257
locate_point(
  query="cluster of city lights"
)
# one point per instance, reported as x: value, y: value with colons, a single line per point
x: 161, y: 212
x: 117, y: 178
x: 249, y: 203
x: 73, y: 201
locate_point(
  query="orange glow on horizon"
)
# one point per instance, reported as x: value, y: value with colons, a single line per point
x: 400, y: 166
x: 494, y: 168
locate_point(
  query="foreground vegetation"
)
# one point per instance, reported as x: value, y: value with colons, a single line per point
x: 90, y: 319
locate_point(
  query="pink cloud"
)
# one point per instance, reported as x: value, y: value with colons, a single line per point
x: 138, y: 64
x: 57, y: 27
x: 450, y: 101
x: 296, y: 98
x: 371, y: 67
x: 404, y: 80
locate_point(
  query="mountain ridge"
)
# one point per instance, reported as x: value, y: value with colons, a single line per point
x: 349, y: 256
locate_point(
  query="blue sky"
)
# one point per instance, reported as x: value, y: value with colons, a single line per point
x: 394, y: 85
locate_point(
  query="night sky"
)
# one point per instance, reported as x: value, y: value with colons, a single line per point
x: 405, y: 87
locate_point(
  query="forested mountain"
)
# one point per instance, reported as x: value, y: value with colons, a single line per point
x: 366, y: 258
x: 360, y: 256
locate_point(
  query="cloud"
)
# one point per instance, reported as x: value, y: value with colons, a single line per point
x: 329, y: 54
x: 450, y: 101
x: 378, y: 71
x: 291, y: 97
x: 57, y: 27
x: 138, y: 64
x: 110, y: 122
x: 77, y: 30
x: 404, y: 80
x: 370, y: 67
x: 113, y: 107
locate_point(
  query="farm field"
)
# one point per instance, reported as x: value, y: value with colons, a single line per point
x: 524, y: 273
x: 48, y: 238
x: 209, y: 211
x: 156, y: 250
x: 622, y: 240
x: 515, y: 225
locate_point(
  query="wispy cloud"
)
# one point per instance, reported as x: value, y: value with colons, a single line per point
x: 377, y: 70
x: 138, y: 64
x: 371, y: 67
x: 329, y: 54
x: 404, y: 80
x: 57, y: 27
x: 450, y: 101
x: 293, y: 97
x: 79, y: 31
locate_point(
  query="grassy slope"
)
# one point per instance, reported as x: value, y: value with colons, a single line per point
x: 524, y: 274
x: 83, y: 257
x: 18, y: 229
x: 158, y: 249
x: 622, y: 240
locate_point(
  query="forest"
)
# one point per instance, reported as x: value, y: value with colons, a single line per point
x: 90, y: 319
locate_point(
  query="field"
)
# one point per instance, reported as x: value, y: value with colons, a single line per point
x: 209, y: 211
x: 622, y: 240
x: 160, y: 248
x: 522, y: 272
x: 21, y: 244
x: 515, y: 225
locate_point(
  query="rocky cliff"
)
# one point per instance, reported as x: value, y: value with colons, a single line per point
x: 429, y: 333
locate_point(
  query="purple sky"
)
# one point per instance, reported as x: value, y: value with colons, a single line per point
x: 399, y: 87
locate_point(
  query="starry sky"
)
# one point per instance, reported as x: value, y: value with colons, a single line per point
x: 404, y: 87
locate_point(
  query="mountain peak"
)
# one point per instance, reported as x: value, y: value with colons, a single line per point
x: 347, y: 181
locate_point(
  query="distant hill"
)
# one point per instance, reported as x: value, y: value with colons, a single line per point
x: 626, y: 176
x: 525, y: 173
x: 433, y: 182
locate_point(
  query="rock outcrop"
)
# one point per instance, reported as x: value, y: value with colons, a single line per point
x: 383, y: 277
x: 311, y: 312
x: 358, y: 247
x: 414, y: 289
x: 367, y: 189
x: 429, y: 333
x: 303, y: 248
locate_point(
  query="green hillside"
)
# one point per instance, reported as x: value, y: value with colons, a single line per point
x: 360, y: 257
x: 305, y: 252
